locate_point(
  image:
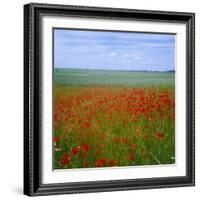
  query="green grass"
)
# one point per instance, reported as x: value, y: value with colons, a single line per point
x: 108, y: 77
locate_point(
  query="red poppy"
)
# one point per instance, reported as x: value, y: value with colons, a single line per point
x: 99, y: 151
x: 100, y: 162
x: 116, y: 139
x: 75, y: 150
x: 131, y: 157
x: 86, y: 147
x: 133, y: 147
x: 113, y: 163
x: 87, y: 124
x: 65, y: 159
x: 160, y: 135
x: 56, y: 139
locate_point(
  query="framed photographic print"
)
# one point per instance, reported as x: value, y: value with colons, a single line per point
x: 108, y: 99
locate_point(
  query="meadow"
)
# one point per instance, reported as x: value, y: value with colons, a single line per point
x: 113, y: 118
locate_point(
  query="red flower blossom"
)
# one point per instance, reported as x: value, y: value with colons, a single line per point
x: 133, y: 147
x: 87, y: 124
x: 99, y: 151
x: 65, y: 159
x: 113, y: 163
x: 100, y: 162
x: 86, y: 147
x: 116, y: 139
x: 56, y: 139
x: 160, y: 135
x: 75, y: 150
x: 124, y: 140
x: 131, y: 157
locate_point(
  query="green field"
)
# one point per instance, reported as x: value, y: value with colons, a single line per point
x: 113, y: 118
x: 108, y: 77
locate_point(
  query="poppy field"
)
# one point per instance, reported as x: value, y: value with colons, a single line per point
x: 113, y: 121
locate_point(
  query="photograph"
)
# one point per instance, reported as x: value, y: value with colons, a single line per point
x: 109, y: 100
x: 113, y: 98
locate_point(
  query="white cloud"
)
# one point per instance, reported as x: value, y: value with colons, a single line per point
x: 134, y: 57
x: 126, y: 56
x: 137, y: 58
x: 113, y: 54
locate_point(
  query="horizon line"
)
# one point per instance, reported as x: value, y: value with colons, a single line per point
x: 134, y: 70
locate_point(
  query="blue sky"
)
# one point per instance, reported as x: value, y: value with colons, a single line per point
x: 113, y: 50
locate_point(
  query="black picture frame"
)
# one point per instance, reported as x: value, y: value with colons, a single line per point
x: 33, y: 185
